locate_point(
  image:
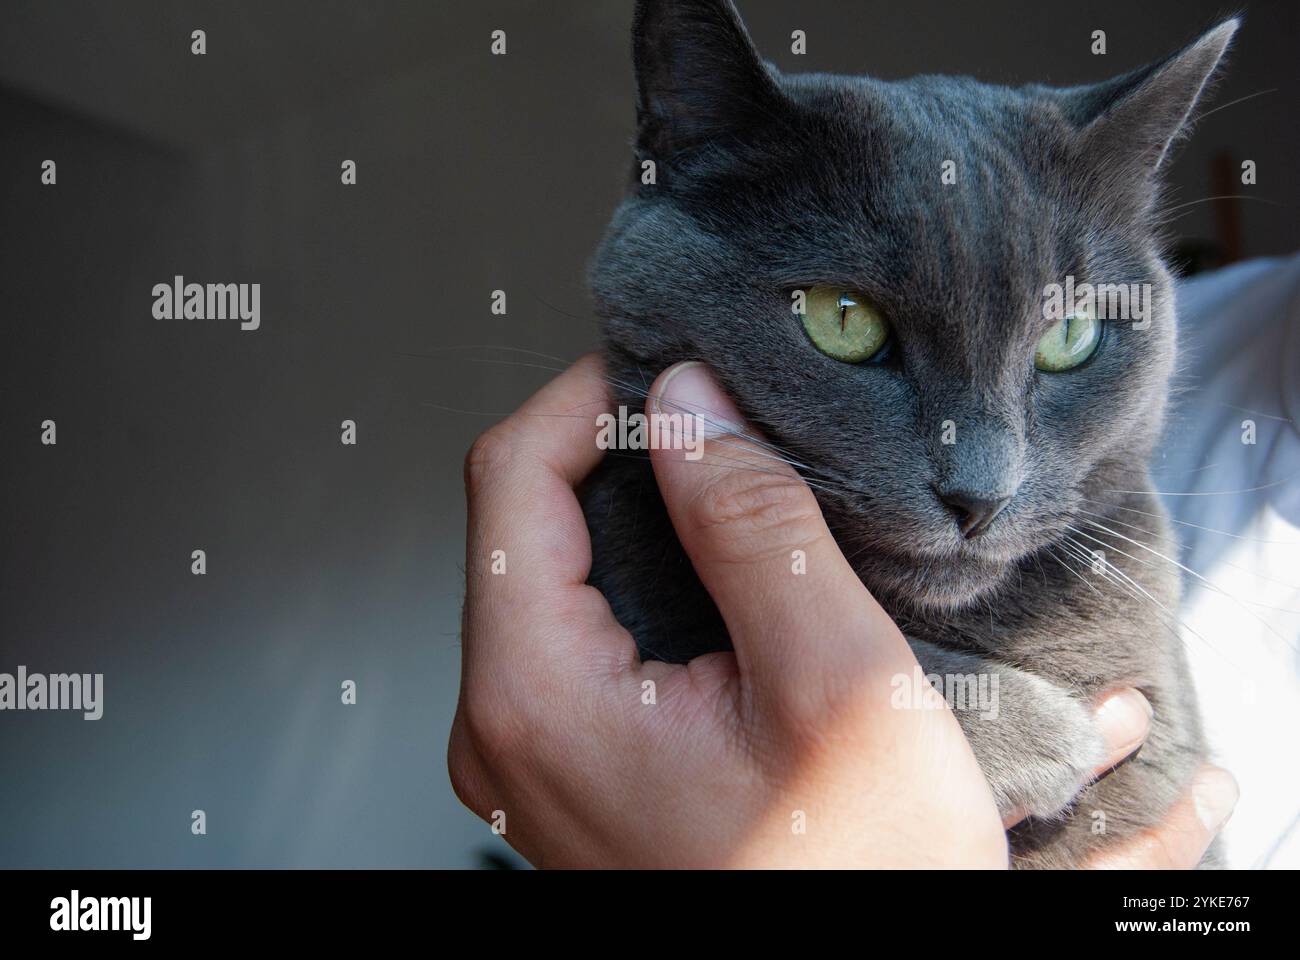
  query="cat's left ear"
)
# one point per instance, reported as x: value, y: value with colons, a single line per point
x: 1134, y: 119
x: 700, y: 80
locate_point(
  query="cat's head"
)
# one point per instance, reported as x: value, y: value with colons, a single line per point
x: 953, y: 424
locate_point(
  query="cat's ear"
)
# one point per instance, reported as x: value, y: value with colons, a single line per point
x: 698, y: 76
x: 1134, y: 119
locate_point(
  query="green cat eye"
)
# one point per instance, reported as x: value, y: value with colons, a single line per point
x: 1069, y: 343
x: 843, y: 325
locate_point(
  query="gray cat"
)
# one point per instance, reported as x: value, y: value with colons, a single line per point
x: 969, y: 452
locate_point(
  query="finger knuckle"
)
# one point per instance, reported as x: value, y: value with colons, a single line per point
x: 832, y: 710
x: 494, y: 731
x: 749, y: 517
x: 462, y: 768
x: 489, y: 454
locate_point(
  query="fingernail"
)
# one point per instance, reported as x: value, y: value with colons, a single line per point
x: 1215, y: 793
x: 689, y: 388
x: 1125, y: 721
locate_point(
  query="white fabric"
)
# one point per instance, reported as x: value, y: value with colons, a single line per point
x: 1238, y: 520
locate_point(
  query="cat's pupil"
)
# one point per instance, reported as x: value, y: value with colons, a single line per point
x: 845, y: 303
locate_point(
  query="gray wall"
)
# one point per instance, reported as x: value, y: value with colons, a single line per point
x: 329, y: 562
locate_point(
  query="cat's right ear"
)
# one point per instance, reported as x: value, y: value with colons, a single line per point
x: 699, y: 77
x: 1132, y: 121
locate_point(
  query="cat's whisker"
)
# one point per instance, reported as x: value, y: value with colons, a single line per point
x: 1167, y: 618
x: 498, y: 415
x: 736, y: 463
x: 1135, y: 591
x: 856, y: 553
x: 741, y: 464
x: 1088, y: 583
x: 728, y: 430
x: 829, y: 484
x: 765, y: 449
x: 814, y: 482
x: 1254, y: 573
x: 865, y: 542
x: 1109, y: 546
x: 1188, y: 523
x: 1108, y: 567
x: 1186, y: 569
x: 1208, y: 466
x: 1086, y: 554
x: 1108, y: 572
x: 1256, y: 413
x: 1112, y: 575
x: 640, y: 392
x: 1130, y: 586
x: 1041, y: 572
x: 1233, y: 103
x: 1226, y: 196
x: 1210, y: 493
x: 564, y: 366
x: 728, y: 463
x: 592, y: 321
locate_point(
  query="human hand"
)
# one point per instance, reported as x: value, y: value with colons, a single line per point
x: 776, y: 755
x: 770, y: 756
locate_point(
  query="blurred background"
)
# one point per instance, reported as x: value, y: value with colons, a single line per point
x: 327, y: 562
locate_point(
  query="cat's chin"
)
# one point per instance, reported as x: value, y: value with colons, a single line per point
x: 932, y: 583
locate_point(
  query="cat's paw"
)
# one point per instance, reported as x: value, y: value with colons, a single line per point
x: 1039, y: 750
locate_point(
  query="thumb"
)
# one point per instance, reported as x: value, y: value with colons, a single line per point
x: 799, y: 618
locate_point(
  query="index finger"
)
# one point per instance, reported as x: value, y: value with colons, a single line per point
x: 528, y: 552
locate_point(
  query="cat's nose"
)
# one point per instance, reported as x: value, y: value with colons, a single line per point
x: 973, y: 512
